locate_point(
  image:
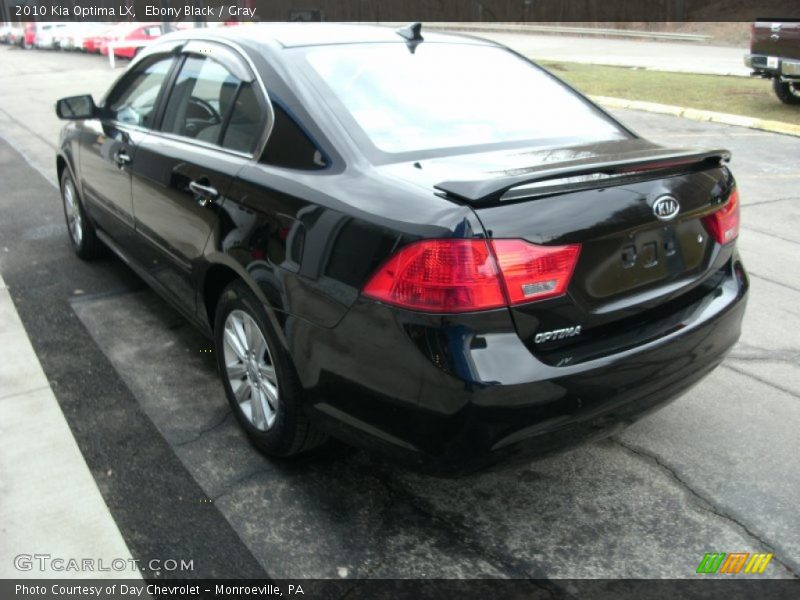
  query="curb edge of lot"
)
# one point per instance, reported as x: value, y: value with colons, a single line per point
x: 700, y: 115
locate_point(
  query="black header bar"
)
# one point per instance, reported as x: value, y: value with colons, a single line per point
x: 484, y: 11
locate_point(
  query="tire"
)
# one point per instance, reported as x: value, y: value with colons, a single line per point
x: 788, y: 93
x: 254, y: 365
x: 81, y: 230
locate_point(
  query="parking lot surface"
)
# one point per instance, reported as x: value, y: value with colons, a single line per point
x: 714, y: 471
x: 655, y: 55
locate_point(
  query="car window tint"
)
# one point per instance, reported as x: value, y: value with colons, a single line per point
x: 449, y: 95
x: 289, y: 146
x: 200, y: 99
x: 244, y: 126
x: 210, y: 104
x: 133, y: 101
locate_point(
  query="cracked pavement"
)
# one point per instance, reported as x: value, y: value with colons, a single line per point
x: 714, y: 471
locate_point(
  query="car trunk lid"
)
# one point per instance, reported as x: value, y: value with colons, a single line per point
x: 639, y: 266
x: 552, y: 171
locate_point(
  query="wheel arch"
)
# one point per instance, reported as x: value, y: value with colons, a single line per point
x: 65, y: 161
x: 218, y: 275
x: 216, y: 278
x: 61, y: 165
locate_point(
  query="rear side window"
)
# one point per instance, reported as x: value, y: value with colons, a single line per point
x: 289, y: 146
x: 198, y: 100
x: 132, y: 101
x: 244, y: 125
x: 210, y: 104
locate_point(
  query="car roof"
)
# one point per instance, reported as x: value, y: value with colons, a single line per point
x: 294, y: 35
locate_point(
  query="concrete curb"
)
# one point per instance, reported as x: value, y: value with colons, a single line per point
x: 700, y: 115
x: 49, y: 498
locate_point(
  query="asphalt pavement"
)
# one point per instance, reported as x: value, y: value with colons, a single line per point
x: 643, y: 54
x: 714, y: 471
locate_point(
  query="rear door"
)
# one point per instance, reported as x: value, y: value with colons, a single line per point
x: 109, y: 146
x: 213, y: 119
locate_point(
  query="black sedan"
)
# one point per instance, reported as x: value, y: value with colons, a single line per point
x: 419, y: 243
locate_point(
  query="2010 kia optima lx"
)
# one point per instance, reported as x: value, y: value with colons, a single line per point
x: 431, y: 247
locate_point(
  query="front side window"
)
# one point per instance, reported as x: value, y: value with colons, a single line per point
x: 210, y: 104
x: 133, y: 101
x: 451, y: 95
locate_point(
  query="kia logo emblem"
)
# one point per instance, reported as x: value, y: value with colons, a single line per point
x: 665, y: 208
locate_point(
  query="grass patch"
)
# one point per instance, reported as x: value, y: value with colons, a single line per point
x: 750, y: 97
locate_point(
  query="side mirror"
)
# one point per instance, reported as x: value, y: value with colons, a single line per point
x: 76, y: 107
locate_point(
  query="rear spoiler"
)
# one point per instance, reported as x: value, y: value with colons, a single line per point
x: 580, y: 174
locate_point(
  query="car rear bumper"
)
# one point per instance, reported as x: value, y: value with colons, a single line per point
x: 453, y: 395
x: 773, y: 66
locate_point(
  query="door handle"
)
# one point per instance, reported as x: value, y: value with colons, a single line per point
x: 122, y: 158
x: 204, y: 193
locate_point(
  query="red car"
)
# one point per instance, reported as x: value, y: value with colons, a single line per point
x: 135, y: 33
x: 29, y: 37
x: 92, y: 43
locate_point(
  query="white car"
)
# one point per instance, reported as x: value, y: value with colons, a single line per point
x: 47, y: 33
x: 77, y: 33
x: 10, y: 34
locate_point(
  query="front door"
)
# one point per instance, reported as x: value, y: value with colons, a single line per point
x: 109, y: 146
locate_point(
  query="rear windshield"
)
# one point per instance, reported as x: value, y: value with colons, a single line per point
x: 452, y: 95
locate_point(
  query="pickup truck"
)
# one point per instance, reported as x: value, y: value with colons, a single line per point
x: 775, y: 54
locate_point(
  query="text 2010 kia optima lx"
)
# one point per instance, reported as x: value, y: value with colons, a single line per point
x: 430, y: 247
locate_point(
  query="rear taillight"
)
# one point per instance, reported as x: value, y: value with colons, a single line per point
x: 532, y: 272
x: 723, y: 224
x: 456, y: 275
x: 439, y: 276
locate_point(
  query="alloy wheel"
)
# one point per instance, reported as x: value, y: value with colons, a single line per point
x: 74, y: 219
x: 250, y: 370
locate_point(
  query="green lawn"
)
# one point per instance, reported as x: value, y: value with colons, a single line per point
x: 751, y: 97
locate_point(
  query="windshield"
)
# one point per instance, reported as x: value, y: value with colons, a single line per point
x: 451, y: 95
